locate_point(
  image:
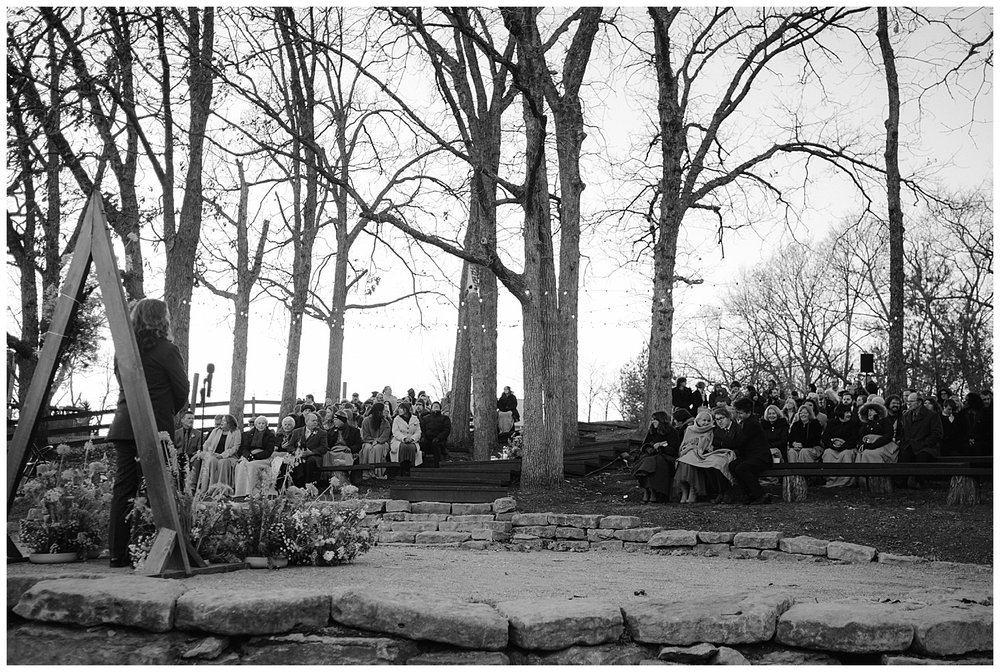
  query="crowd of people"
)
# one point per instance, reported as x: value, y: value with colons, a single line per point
x: 716, y: 446
x: 408, y: 431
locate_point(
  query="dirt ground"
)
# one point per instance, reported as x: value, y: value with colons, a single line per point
x: 493, y: 575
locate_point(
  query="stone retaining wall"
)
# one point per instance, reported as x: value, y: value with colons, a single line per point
x: 500, y: 525
x: 186, y: 623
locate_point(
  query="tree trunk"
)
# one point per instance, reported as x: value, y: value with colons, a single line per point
x: 659, y: 369
x: 482, y: 314
x: 876, y: 486
x: 964, y: 491
x: 337, y: 319
x: 794, y: 489
x: 179, y: 275
x: 896, y: 372
x: 238, y: 369
x: 461, y: 373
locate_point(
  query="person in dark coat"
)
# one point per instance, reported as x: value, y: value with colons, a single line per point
x: 699, y: 398
x: 920, y: 436
x: 434, y: 435
x: 253, y: 457
x: 508, y: 403
x: 654, y: 470
x: 775, y: 428
x: 681, y: 395
x: 167, y: 383
x: 753, y: 455
x: 978, y: 425
x: 312, y: 441
x: 187, y: 441
x: 955, y: 437
x: 344, y: 433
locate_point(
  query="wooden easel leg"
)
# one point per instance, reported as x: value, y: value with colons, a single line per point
x: 13, y: 552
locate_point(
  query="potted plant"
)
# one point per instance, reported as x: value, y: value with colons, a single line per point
x: 67, y: 515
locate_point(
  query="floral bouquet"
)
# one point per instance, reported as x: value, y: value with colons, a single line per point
x: 325, y: 537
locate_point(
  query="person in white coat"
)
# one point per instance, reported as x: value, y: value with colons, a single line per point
x: 405, y: 445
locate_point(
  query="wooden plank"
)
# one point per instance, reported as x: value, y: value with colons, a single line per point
x: 159, y: 553
x: 48, y: 359
x: 159, y: 489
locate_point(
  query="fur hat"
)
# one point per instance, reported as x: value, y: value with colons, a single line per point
x: 681, y: 415
x: 875, y: 402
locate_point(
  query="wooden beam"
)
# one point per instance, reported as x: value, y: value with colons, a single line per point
x: 48, y: 361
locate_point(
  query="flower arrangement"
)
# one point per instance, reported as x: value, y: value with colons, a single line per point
x: 68, y: 506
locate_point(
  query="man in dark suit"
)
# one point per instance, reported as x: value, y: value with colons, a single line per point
x: 753, y: 455
x: 312, y: 441
x: 187, y: 441
x: 681, y: 396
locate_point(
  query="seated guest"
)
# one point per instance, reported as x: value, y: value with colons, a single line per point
x: 877, y: 442
x: 805, y: 436
x: 955, y: 440
x: 789, y: 411
x: 698, y: 458
x: 753, y: 456
x: 776, y: 429
x: 218, y: 455
x: 840, y: 441
x: 187, y: 441
x: 309, y: 442
x: 283, y: 446
x: 821, y: 417
x: 345, y: 432
x: 655, y: 468
x: 405, y: 447
x: 376, y: 432
x: 254, y: 457
x: 434, y: 435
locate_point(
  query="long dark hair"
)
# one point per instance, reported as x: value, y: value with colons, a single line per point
x: 378, y: 408
x: 150, y: 322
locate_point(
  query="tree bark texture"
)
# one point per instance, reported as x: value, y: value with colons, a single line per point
x: 542, y: 354
x: 461, y: 372
x: 794, y: 489
x: 670, y: 216
x: 181, y: 249
x: 896, y: 371
x: 336, y: 320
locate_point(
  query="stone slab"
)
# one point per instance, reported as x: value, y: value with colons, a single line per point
x: 781, y: 556
x: 607, y: 545
x: 472, y: 517
x: 607, y: 654
x: 420, y: 617
x: 508, y: 516
x: 18, y: 585
x: 396, y: 537
x: 499, y: 526
x: 312, y: 649
x: 914, y: 660
x: 893, y: 559
x: 759, y: 540
x: 534, y: 519
x: 558, y: 624
x: 637, y: 533
x: 541, y: 531
x: 461, y: 658
x: 135, y: 601
x: 567, y: 545
x: 394, y: 516
x: 452, y: 526
x: 414, y: 526
x: 952, y: 629
x: 845, y: 627
x: 442, y: 537
x: 736, y: 619
x: 727, y: 656
x: 711, y: 550
x: 584, y: 520
x: 463, y: 509
x: 667, y: 538
x: 504, y: 505
x: 794, y: 657
x: 600, y: 535
x: 620, y: 522
x: 570, y: 533
x: 476, y: 545
x: 489, y: 535
x: 397, y: 505
x: 261, y: 611
x: 430, y: 507
x: 207, y: 648
x: 841, y: 550
x: 699, y: 653
x: 707, y: 537
x: 803, y: 544
x: 424, y: 517
x: 744, y: 553
x: 635, y: 547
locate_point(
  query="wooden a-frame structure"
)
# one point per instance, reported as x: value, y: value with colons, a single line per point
x: 172, y: 551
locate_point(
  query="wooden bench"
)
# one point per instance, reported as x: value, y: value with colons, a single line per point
x: 964, y: 487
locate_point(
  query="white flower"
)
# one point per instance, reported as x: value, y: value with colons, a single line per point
x: 63, y: 450
x: 328, y: 556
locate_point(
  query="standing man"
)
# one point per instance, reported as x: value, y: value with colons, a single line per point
x: 699, y: 398
x: 920, y: 435
x: 681, y: 395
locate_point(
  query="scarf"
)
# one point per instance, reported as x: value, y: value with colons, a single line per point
x: 257, y: 439
x: 697, y: 439
x: 212, y: 442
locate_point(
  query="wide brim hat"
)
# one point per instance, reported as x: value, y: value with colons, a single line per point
x: 873, y: 402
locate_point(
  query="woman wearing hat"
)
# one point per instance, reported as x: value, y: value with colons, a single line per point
x: 655, y: 469
x: 253, y: 457
x: 877, y: 444
x: 702, y: 463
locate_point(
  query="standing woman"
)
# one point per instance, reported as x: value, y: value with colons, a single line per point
x: 166, y: 379
x: 375, y: 434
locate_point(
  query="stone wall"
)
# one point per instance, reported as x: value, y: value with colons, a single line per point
x: 85, y: 619
x: 499, y: 525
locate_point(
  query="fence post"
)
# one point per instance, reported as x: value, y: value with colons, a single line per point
x: 253, y: 406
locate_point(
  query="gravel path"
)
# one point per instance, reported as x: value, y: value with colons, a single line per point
x: 492, y: 576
